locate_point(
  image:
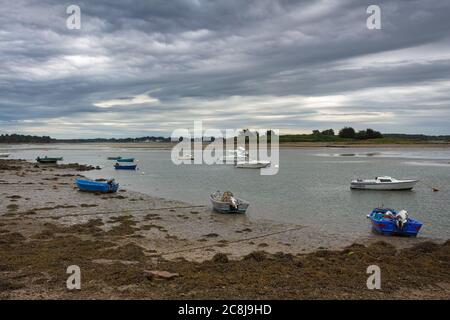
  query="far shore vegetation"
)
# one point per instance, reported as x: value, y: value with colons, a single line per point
x: 346, y: 135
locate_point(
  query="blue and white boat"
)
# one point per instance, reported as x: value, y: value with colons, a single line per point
x: 226, y: 202
x: 123, y: 166
x: 392, y: 222
x: 100, y: 185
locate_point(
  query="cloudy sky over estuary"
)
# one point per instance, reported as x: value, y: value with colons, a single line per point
x: 138, y: 68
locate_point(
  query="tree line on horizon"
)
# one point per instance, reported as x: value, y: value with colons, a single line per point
x: 350, y: 133
x: 20, y: 138
x: 325, y: 135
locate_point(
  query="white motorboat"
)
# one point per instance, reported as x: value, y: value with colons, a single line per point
x: 252, y: 164
x: 226, y: 202
x: 186, y: 157
x: 383, y: 183
x: 4, y: 155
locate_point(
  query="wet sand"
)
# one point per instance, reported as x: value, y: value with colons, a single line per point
x: 116, y: 239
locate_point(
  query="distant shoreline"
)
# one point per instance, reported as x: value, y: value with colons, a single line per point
x: 283, y: 145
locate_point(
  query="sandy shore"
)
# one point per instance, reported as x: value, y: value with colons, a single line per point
x: 47, y: 225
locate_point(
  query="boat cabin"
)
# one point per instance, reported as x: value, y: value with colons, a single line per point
x: 383, y: 179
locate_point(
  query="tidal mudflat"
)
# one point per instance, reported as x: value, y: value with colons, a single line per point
x: 131, y: 245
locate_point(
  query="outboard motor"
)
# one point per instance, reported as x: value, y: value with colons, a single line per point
x: 402, y: 218
x: 233, y: 202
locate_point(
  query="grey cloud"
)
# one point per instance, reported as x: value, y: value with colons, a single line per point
x: 192, y: 55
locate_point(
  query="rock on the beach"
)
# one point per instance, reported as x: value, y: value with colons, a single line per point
x: 156, y: 274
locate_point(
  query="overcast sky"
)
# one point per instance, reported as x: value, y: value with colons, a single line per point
x: 140, y: 68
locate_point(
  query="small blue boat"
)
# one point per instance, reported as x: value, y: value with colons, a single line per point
x: 118, y: 166
x: 100, y: 185
x: 125, y: 160
x: 386, y: 221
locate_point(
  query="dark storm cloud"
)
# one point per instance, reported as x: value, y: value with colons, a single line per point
x: 139, y: 66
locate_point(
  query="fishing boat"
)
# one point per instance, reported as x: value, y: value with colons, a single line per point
x: 119, y: 166
x: 392, y: 222
x: 252, y: 164
x: 99, y: 185
x: 226, y: 202
x: 4, y: 155
x: 383, y: 183
x: 114, y: 158
x: 186, y: 157
x: 125, y: 160
x: 48, y: 160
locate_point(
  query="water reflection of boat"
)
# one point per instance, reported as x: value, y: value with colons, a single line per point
x: 226, y: 202
x: 383, y: 183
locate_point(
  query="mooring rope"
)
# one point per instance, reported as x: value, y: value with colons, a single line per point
x: 231, y: 242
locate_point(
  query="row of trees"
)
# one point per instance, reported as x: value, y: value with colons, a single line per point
x: 328, y: 132
x: 350, y: 133
x: 19, y: 138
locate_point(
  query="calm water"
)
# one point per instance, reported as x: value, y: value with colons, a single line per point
x: 311, y: 188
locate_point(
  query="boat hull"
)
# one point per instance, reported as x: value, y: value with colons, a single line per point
x: 388, y: 226
x: 95, y: 186
x: 225, y: 207
x: 408, y: 185
x: 114, y: 158
x: 125, y: 167
x: 47, y: 160
x: 125, y: 160
x: 4, y: 155
x: 250, y: 165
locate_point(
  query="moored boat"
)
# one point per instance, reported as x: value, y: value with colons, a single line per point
x: 99, y: 185
x: 252, y: 164
x: 392, y: 222
x: 118, y: 166
x: 125, y: 160
x: 383, y: 183
x: 114, y: 158
x: 226, y: 202
x: 48, y: 159
x: 186, y: 157
x: 4, y: 155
